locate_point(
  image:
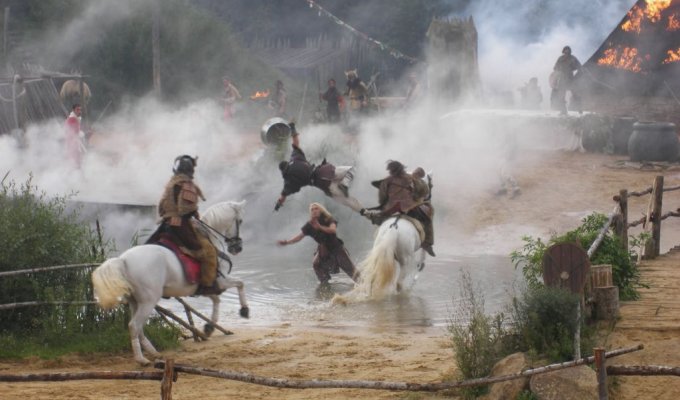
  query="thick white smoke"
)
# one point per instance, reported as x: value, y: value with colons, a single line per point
x: 523, y: 39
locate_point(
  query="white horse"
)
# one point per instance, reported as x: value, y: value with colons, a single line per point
x: 392, y: 264
x: 143, y: 274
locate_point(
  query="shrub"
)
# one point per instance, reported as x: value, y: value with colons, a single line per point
x: 477, y: 339
x: 624, y: 272
x: 544, y: 320
x: 38, y: 231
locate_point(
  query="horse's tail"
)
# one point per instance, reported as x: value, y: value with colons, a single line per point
x: 378, y: 270
x: 109, y: 283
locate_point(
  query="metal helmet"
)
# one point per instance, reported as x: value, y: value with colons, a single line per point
x: 185, y: 164
x: 566, y: 50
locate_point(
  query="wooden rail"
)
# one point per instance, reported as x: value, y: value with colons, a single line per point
x: 171, y: 372
x: 45, y: 269
x: 651, y: 220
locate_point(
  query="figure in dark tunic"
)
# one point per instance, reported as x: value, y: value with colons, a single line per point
x: 298, y: 172
x: 331, y: 255
x: 562, y: 80
x: 332, y: 97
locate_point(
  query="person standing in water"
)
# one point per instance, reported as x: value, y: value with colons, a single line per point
x: 331, y: 254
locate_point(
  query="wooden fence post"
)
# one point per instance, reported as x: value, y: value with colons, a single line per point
x: 168, y: 377
x: 656, y: 215
x: 622, y: 222
x: 601, y: 369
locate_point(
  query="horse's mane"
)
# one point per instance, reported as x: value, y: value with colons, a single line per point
x: 214, y: 212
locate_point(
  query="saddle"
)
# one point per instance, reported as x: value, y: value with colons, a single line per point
x: 190, y: 265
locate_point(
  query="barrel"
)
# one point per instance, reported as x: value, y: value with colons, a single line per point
x: 653, y: 141
x: 275, y: 131
x: 621, y: 131
x: 601, y: 275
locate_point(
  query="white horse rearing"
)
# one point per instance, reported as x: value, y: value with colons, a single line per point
x: 143, y: 274
x: 391, y: 265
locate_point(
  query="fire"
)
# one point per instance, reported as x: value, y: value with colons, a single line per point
x: 655, y: 7
x: 673, y: 23
x: 626, y: 58
x: 260, y: 95
x: 672, y: 56
x: 652, y: 11
x: 634, y: 20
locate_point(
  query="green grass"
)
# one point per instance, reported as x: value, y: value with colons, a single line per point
x: 111, y: 339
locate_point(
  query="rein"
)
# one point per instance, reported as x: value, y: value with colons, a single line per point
x: 230, y: 241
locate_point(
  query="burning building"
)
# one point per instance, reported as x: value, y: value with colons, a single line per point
x: 636, y: 71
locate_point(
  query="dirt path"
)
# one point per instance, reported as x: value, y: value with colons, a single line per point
x: 654, y: 320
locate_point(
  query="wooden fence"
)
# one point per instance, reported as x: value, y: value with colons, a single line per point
x: 171, y: 372
x: 651, y: 221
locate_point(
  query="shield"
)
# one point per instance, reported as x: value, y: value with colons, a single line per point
x: 566, y: 265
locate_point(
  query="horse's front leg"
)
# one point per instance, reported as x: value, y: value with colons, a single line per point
x: 229, y: 282
x: 244, y: 311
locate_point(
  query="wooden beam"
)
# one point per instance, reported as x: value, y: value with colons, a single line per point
x: 156, y: 47
x: 180, y: 321
x: 642, y: 370
x: 74, y: 376
x: 383, y: 385
x: 203, y: 317
x: 601, y: 371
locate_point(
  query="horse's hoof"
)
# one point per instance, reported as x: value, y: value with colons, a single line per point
x: 143, y: 362
x: 208, y: 329
x: 244, y: 312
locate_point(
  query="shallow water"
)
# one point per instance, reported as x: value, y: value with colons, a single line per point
x: 281, y: 287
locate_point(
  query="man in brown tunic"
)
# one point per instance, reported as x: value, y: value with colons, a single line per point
x: 177, y: 206
x: 403, y: 193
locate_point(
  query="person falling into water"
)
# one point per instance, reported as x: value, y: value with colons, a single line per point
x: 331, y: 254
x: 298, y: 173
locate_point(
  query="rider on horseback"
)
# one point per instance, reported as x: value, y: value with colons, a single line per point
x: 176, y: 208
x: 298, y: 172
x: 404, y: 193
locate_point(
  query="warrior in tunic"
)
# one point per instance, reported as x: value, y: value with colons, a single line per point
x: 331, y: 254
x: 404, y: 193
x: 177, y: 207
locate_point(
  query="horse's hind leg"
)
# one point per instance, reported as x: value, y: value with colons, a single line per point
x: 140, y: 313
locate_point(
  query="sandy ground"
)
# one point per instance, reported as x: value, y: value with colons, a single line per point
x: 555, y: 193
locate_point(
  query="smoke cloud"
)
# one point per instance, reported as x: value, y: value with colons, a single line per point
x: 132, y: 152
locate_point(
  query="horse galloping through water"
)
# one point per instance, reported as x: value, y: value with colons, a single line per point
x: 391, y: 265
x: 145, y: 273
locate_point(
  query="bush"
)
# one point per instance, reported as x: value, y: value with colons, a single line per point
x: 477, y: 339
x: 624, y: 272
x: 545, y: 322
x: 39, y: 232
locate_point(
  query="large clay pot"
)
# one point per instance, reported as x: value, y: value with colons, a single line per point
x: 623, y: 128
x: 275, y: 131
x: 653, y: 141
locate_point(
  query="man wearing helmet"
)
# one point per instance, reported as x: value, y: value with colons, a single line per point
x: 408, y: 194
x: 177, y: 206
x: 562, y: 80
x: 298, y: 172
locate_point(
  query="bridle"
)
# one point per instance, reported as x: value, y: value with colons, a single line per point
x: 232, y: 242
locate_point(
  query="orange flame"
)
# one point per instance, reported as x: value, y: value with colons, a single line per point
x: 655, y: 7
x: 626, y: 58
x: 672, y: 56
x: 260, y: 95
x: 673, y: 23
x: 634, y: 20
x: 652, y: 11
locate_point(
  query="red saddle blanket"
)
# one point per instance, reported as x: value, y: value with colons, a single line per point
x: 190, y: 265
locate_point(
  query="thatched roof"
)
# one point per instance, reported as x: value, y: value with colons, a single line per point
x: 642, y: 54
